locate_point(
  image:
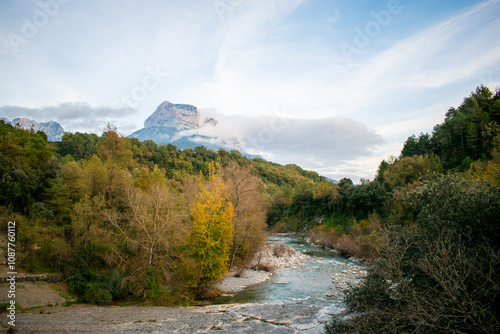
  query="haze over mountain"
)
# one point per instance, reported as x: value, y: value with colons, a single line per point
x: 53, y: 130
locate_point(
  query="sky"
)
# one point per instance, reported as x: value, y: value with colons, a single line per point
x: 333, y: 86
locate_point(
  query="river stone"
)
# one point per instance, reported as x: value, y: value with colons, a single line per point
x: 294, y: 315
x: 248, y: 318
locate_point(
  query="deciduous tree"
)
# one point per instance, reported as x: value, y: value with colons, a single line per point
x: 212, y: 232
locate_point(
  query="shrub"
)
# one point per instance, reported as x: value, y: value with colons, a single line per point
x: 281, y: 250
x: 96, y: 288
x: 153, y: 284
x: 97, y: 293
x: 347, y: 246
x: 369, y: 246
x: 325, y: 236
x: 427, y: 282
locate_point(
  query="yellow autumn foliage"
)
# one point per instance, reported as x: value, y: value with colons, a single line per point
x: 212, y: 231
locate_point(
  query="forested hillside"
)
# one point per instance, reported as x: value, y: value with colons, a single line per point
x: 466, y: 135
x: 122, y: 218
x: 428, y: 224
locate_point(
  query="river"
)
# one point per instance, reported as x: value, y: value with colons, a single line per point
x: 318, y: 282
x: 294, y: 300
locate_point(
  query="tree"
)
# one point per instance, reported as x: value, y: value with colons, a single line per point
x: 25, y: 167
x: 249, y: 213
x: 441, y: 274
x: 409, y: 169
x: 117, y: 156
x: 78, y: 145
x: 212, y: 232
x: 365, y: 198
x: 152, y: 226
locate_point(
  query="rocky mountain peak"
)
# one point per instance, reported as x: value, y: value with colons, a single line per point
x: 168, y: 125
x: 53, y: 130
x: 178, y: 116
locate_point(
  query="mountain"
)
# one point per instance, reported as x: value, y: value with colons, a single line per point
x: 178, y: 116
x: 173, y: 124
x: 53, y: 130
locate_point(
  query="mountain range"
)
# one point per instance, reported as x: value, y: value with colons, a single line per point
x: 53, y: 130
x: 176, y: 124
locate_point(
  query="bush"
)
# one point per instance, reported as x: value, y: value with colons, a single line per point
x: 325, y: 236
x: 280, y: 250
x: 97, y: 293
x: 428, y: 285
x: 96, y: 288
x: 347, y: 246
x: 153, y: 284
x: 369, y: 246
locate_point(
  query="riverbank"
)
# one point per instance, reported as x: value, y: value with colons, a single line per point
x: 220, y: 319
x: 268, y: 260
x: 303, y: 297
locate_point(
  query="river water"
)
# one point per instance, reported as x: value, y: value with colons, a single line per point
x: 318, y: 282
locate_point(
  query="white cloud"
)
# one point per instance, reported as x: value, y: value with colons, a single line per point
x: 320, y: 144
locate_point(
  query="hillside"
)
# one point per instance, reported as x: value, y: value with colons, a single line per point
x: 122, y: 219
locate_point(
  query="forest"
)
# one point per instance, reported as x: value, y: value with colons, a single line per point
x: 130, y: 220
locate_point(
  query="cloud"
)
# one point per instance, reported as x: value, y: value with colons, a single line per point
x: 75, y: 117
x: 443, y: 54
x: 326, y: 144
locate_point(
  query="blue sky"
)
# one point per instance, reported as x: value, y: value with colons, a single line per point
x: 333, y: 86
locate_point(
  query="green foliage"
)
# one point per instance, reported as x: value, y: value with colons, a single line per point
x: 308, y: 204
x: 409, y: 169
x: 79, y: 145
x: 97, y: 293
x: 153, y: 284
x: 366, y: 198
x: 96, y: 288
x: 466, y: 206
x: 441, y: 275
x: 467, y: 131
x: 25, y: 167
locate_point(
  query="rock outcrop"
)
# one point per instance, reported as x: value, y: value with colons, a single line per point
x: 178, y: 116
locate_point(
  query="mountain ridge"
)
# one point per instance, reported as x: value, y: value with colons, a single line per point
x: 52, y: 129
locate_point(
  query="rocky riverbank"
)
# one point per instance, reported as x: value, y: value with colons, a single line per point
x: 220, y: 319
x: 270, y: 258
x: 273, y: 317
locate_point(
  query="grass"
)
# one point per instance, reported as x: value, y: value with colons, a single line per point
x: 56, y: 288
x: 67, y: 296
x: 71, y: 302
